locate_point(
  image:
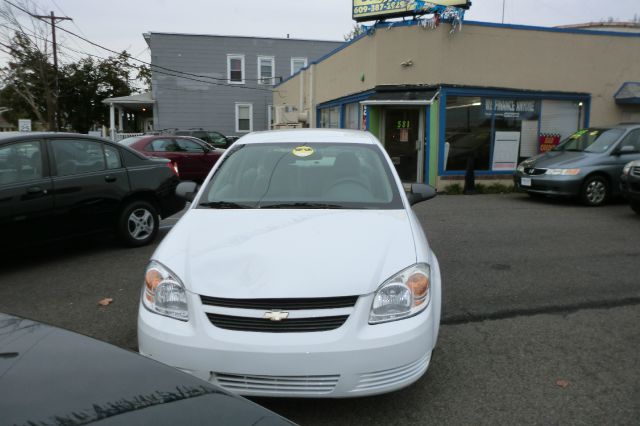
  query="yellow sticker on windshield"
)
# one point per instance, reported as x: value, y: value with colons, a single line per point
x: 302, y: 151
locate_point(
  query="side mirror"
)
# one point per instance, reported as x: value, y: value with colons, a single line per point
x: 420, y: 192
x: 187, y: 190
x: 627, y: 149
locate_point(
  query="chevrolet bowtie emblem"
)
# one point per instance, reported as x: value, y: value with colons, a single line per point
x: 276, y: 315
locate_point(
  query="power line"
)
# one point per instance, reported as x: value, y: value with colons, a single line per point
x: 174, y: 73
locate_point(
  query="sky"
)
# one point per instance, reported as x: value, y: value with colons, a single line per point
x: 119, y: 24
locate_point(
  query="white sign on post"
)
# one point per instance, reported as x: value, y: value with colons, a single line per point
x: 505, y: 151
x: 24, y: 125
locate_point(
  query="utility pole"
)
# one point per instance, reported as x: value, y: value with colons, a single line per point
x: 54, y: 20
x: 503, y: 2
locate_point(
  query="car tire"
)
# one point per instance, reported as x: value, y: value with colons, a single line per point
x: 635, y: 206
x: 138, y: 224
x: 595, y: 191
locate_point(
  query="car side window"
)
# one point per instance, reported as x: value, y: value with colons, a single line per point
x: 76, y: 156
x: 162, y: 145
x: 632, y: 140
x: 189, y: 146
x: 20, y: 162
x: 113, y: 157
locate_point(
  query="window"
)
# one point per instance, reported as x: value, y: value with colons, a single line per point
x: 244, y: 118
x: 297, y: 64
x: 235, y: 69
x: 162, y: 145
x: 632, y: 140
x: 266, y: 67
x: 330, y: 118
x: 352, y: 116
x: 189, y: 146
x: 113, y: 157
x: 75, y: 156
x: 20, y: 162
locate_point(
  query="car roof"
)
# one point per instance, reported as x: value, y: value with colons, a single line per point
x: 309, y: 136
x: 20, y: 135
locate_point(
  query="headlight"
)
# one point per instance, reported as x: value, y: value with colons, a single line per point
x: 163, y: 293
x: 627, y: 168
x: 562, y: 172
x: 402, y: 296
x: 520, y: 168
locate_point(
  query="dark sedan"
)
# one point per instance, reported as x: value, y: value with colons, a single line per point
x: 630, y: 184
x: 213, y: 138
x: 55, y: 185
x: 53, y: 376
x: 587, y: 165
x: 194, y: 158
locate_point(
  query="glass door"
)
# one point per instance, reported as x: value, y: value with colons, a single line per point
x: 403, y: 140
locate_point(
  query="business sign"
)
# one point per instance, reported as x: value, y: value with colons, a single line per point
x: 369, y: 10
x: 510, y: 108
x: 505, y: 151
x: 548, y: 141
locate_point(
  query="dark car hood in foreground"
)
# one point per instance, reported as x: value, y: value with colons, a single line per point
x: 53, y: 376
x: 562, y: 159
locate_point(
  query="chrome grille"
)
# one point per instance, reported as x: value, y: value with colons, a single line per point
x: 635, y: 171
x: 282, y: 304
x: 301, y: 385
x: 534, y: 172
x: 290, y: 325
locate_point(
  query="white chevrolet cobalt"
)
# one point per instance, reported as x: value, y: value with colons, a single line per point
x: 299, y: 270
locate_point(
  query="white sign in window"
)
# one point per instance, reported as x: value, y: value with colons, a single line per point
x: 235, y: 69
x: 297, y: 64
x: 505, y: 151
x: 244, y: 118
x: 266, y: 66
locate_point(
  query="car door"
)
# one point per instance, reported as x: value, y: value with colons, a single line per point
x: 26, y: 199
x: 199, y: 157
x: 89, y: 183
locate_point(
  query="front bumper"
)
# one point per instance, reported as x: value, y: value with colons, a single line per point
x: 561, y: 186
x: 356, y: 359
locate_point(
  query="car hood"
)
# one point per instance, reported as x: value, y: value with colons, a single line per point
x: 560, y: 159
x: 287, y: 253
x: 53, y: 376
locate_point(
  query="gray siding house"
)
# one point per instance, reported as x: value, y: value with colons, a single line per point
x: 222, y: 83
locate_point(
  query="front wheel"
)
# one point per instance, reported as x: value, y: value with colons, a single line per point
x: 138, y: 224
x: 595, y: 191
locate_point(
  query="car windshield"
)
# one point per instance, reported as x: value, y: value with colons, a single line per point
x: 285, y: 175
x: 590, y: 140
x: 131, y: 141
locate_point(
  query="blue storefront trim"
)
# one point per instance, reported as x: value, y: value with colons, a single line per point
x: 427, y: 143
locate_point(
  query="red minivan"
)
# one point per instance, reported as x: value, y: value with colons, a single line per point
x: 192, y: 157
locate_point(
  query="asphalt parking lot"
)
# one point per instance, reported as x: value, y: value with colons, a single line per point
x: 540, y: 313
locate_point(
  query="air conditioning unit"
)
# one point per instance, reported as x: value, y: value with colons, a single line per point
x: 286, y: 114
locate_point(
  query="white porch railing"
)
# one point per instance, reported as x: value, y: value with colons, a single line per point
x: 120, y: 136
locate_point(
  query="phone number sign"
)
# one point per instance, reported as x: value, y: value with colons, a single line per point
x: 367, y: 10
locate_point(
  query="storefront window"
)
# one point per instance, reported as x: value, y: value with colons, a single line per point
x: 330, y: 118
x: 490, y: 134
x: 467, y: 134
x: 351, y: 116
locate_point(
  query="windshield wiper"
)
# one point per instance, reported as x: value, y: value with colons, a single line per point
x: 302, y: 206
x: 224, y: 205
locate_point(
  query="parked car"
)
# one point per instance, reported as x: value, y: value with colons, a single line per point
x: 213, y: 138
x: 586, y: 165
x: 55, y: 185
x: 630, y: 184
x: 321, y: 282
x: 53, y: 376
x: 192, y: 157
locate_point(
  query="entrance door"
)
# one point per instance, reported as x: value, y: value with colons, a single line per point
x: 403, y: 141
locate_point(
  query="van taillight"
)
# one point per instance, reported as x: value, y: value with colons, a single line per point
x: 174, y: 168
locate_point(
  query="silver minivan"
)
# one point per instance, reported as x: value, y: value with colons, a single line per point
x: 587, y: 165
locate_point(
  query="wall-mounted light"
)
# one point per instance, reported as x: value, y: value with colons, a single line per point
x: 580, y: 104
x: 406, y: 64
x: 144, y: 110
